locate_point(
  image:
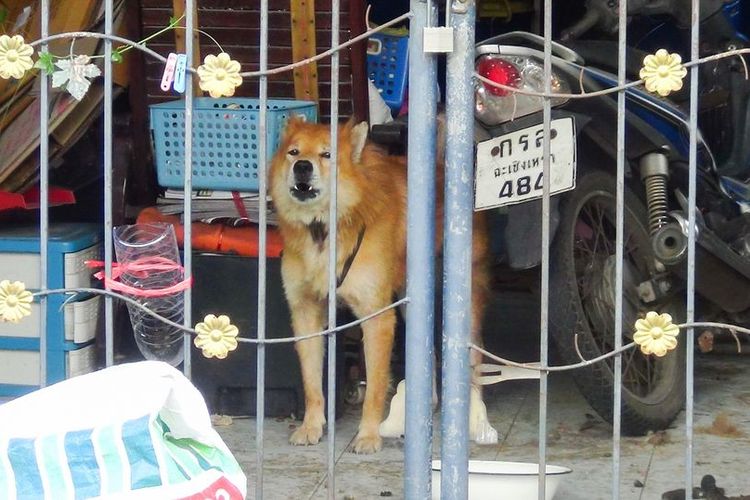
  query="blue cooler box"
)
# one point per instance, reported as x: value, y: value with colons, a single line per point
x: 72, y: 328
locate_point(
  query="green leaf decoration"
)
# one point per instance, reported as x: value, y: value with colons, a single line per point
x: 45, y: 63
x: 116, y: 56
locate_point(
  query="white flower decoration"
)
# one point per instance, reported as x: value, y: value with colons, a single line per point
x: 655, y: 334
x: 15, y: 57
x: 15, y: 301
x: 663, y: 72
x: 219, y: 75
x: 74, y: 74
x: 216, y: 336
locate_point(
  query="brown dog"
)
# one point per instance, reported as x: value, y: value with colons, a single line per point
x: 371, y: 257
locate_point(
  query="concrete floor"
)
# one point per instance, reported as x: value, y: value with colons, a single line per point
x: 576, y: 439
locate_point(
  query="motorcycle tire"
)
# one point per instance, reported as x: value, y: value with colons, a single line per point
x: 582, y: 274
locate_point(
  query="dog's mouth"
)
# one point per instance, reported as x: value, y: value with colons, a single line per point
x: 304, y: 191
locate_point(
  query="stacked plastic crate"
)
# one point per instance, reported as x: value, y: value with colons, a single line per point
x: 71, y: 323
x: 225, y: 140
x: 388, y: 66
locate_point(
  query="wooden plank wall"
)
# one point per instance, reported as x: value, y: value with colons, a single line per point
x: 236, y: 26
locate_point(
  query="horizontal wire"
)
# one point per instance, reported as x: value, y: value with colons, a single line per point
x: 560, y: 368
x: 247, y: 74
x: 608, y: 90
x: 615, y: 352
x: 329, y: 52
x: 102, y: 36
x: 192, y: 331
x: 289, y: 67
x: 393, y: 305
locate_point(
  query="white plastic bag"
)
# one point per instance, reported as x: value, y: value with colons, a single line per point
x: 138, y: 430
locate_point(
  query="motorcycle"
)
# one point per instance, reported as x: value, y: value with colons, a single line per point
x: 583, y: 156
x: 583, y: 144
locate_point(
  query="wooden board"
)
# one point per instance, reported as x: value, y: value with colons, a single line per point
x: 303, y: 47
x: 19, y: 142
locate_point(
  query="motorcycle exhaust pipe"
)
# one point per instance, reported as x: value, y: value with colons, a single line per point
x: 721, y: 275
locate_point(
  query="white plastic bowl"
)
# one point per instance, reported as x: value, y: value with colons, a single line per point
x: 492, y: 480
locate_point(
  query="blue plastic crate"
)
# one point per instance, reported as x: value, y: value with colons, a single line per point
x: 387, y: 67
x: 69, y: 246
x: 225, y: 139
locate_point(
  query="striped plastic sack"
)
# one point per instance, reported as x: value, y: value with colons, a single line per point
x: 132, y: 431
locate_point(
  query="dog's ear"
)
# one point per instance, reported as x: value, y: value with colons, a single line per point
x: 358, y: 140
x: 293, y: 124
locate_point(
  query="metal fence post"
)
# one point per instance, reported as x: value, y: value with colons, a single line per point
x: 457, y: 275
x: 545, y: 274
x: 188, y: 186
x: 420, y: 257
x: 332, y: 255
x: 260, y: 365
x: 690, y: 292
x: 108, y: 217
x: 43, y: 199
x: 619, y: 249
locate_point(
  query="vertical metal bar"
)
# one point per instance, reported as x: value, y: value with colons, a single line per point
x: 692, y: 162
x: 544, y: 299
x: 332, y: 239
x: 620, y: 217
x: 188, y: 185
x: 420, y: 254
x: 260, y: 411
x: 108, y: 304
x: 43, y: 200
x: 458, y: 209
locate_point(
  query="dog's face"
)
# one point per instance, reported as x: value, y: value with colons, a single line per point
x: 300, y: 170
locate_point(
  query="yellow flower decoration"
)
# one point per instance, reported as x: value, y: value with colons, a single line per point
x: 656, y: 334
x: 219, y: 75
x: 15, y: 57
x: 663, y: 72
x: 216, y: 336
x: 15, y: 301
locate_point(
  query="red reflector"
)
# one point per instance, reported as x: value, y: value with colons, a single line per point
x: 499, y: 71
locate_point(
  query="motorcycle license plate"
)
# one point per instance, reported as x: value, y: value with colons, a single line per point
x: 509, y: 168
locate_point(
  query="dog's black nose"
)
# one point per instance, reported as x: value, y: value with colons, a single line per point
x: 303, y: 169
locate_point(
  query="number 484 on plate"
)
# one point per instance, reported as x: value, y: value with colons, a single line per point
x: 509, y: 168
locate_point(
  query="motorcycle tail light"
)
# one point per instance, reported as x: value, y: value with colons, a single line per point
x: 496, y: 105
x: 499, y: 71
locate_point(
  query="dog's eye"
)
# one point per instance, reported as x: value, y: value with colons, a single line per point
x: 293, y: 152
x: 325, y: 154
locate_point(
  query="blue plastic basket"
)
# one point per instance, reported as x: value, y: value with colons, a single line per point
x: 225, y: 139
x: 387, y: 67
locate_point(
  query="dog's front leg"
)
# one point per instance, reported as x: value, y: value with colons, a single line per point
x: 308, y: 317
x: 378, y: 336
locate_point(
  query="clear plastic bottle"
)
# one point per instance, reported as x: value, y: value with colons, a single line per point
x: 145, y: 251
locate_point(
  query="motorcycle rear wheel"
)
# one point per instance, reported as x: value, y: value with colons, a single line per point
x: 582, y: 273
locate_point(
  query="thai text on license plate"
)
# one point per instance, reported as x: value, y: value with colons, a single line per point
x: 509, y: 168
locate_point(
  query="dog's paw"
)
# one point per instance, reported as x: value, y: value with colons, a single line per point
x: 306, y: 434
x: 367, y: 443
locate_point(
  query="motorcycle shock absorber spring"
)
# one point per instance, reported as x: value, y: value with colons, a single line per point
x: 654, y: 174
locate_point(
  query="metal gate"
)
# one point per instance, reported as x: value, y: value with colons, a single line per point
x: 428, y: 42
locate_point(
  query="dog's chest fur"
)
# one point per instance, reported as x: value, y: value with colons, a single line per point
x: 314, y: 256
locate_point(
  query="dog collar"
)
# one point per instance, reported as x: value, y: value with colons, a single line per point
x: 350, y: 259
x: 319, y: 233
